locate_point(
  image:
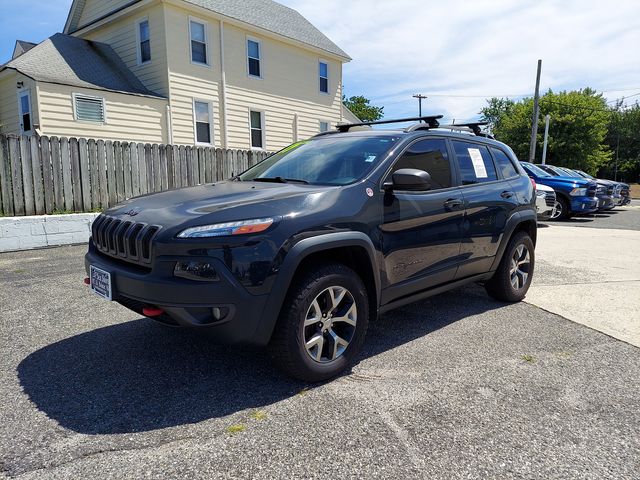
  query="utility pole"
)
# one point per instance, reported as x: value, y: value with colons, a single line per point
x: 546, y: 139
x: 420, y: 98
x: 536, y: 114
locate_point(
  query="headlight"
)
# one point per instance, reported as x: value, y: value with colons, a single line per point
x: 227, y: 229
x: 541, y: 193
x: 579, y: 192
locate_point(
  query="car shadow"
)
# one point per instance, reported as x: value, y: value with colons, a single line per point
x: 139, y: 376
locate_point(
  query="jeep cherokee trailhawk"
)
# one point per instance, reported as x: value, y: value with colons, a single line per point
x: 301, y: 251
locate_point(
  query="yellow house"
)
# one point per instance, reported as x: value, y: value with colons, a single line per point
x: 225, y: 73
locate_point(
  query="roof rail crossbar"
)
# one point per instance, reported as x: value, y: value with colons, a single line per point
x: 432, y: 121
x: 474, y: 126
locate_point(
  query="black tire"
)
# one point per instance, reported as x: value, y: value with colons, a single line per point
x: 287, y: 347
x: 562, y: 208
x: 501, y: 286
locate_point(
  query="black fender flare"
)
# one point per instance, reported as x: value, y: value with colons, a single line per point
x: 301, y: 250
x: 512, y: 224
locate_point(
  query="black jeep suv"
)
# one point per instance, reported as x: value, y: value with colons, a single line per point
x: 299, y: 252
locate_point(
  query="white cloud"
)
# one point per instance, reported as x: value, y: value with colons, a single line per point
x: 484, y: 47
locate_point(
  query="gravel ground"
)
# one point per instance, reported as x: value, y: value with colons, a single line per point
x: 455, y: 387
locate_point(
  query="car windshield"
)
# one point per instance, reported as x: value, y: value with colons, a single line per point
x: 327, y: 160
x: 585, y: 174
x: 569, y: 172
x: 537, y: 171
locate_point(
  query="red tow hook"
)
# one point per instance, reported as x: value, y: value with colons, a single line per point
x: 87, y: 281
x: 152, y: 311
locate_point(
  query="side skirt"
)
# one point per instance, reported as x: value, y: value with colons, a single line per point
x: 433, y: 291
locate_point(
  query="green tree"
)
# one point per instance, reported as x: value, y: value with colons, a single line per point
x: 577, y: 133
x: 623, y: 138
x: 361, y: 108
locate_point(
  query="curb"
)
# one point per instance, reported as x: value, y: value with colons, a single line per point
x: 27, y: 233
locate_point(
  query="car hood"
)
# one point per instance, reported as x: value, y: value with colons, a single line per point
x: 578, y: 182
x: 220, y: 202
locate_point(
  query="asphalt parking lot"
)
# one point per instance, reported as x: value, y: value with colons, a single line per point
x: 458, y: 386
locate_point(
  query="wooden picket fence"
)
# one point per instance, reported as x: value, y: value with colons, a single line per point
x: 46, y: 175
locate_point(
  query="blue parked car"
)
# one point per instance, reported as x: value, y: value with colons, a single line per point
x: 574, y: 196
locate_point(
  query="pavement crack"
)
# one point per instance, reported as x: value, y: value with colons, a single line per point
x: 403, y: 437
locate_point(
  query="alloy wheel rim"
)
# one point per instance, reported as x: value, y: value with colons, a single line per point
x: 557, y: 210
x: 330, y: 324
x: 520, y: 267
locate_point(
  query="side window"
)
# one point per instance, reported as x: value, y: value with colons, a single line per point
x: 199, y: 43
x: 24, y: 99
x: 253, y: 57
x: 504, y: 163
x: 476, y: 165
x: 430, y: 156
x: 144, y: 42
x: 324, y: 76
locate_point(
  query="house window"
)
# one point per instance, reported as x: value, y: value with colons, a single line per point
x: 202, y: 115
x: 257, y: 132
x: 253, y: 54
x: 24, y: 100
x: 324, y: 127
x: 144, y: 42
x: 324, y: 77
x: 198, y: 42
x: 89, y: 109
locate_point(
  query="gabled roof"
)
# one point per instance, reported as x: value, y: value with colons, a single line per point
x: 67, y: 60
x: 265, y: 14
x: 275, y: 18
x: 22, y: 47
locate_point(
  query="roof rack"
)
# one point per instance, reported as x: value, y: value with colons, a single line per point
x: 431, y: 121
x: 473, y: 126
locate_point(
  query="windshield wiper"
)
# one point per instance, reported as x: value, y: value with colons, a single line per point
x: 280, y: 180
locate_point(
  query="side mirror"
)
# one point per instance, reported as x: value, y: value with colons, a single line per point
x: 410, y: 179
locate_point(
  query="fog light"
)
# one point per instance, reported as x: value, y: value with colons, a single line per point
x: 201, y: 271
x: 219, y: 313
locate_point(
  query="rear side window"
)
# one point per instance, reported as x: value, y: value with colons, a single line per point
x: 504, y: 163
x: 430, y: 156
x: 476, y: 165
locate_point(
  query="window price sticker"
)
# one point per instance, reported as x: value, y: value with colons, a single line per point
x: 478, y: 163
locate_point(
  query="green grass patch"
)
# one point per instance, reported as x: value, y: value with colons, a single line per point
x: 233, y: 429
x: 529, y: 358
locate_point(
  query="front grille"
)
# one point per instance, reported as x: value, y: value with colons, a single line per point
x: 601, y: 191
x: 591, y: 191
x: 127, y: 240
x: 550, y: 199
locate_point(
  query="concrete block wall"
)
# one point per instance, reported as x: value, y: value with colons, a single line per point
x: 25, y: 233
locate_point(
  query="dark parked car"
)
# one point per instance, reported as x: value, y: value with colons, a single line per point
x: 618, y: 191
x: 299, y: 252
x: 605, y: 200
x: 574, y: 196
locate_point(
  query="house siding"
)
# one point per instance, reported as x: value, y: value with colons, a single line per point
x: 95, y: 9
x: 122, y: 36
x: 128, y: 117
x: 289, y: 84
x: 9, y: 114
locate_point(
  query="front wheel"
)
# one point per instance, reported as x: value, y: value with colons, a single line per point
x: 322, y: 324
x: 561, y: 210
x: 513, y: 277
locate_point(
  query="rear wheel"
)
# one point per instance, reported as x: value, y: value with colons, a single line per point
x: 322, y: 325
x: 561, y: 210
x: 513, y: 278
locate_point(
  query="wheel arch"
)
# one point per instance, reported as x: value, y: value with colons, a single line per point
x: 353, y: 249
x: 522, y: 221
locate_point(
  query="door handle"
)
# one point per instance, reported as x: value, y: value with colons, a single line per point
x: 506, y: 194
x: 453, y: 204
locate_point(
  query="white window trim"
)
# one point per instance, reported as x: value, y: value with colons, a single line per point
x: 259, y: 42
x: 326, y: 62
x: 25, y: 93
x: 328, y: 122
x: 139, y: 41
x: 262, y: 130
x: 206, y: 42
x: 74, y: 97
x: 195, y: 123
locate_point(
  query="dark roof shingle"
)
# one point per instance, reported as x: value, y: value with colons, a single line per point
x: 68, y: 60
x: 275, y: 18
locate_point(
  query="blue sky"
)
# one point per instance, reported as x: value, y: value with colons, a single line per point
x: 456, y: 52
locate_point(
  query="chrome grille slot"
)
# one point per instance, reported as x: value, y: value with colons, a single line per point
x: 127, y: 240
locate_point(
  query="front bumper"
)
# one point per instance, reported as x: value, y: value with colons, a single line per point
x: 605, y: 202
x: 186, y: 303
x: 584, y: 205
